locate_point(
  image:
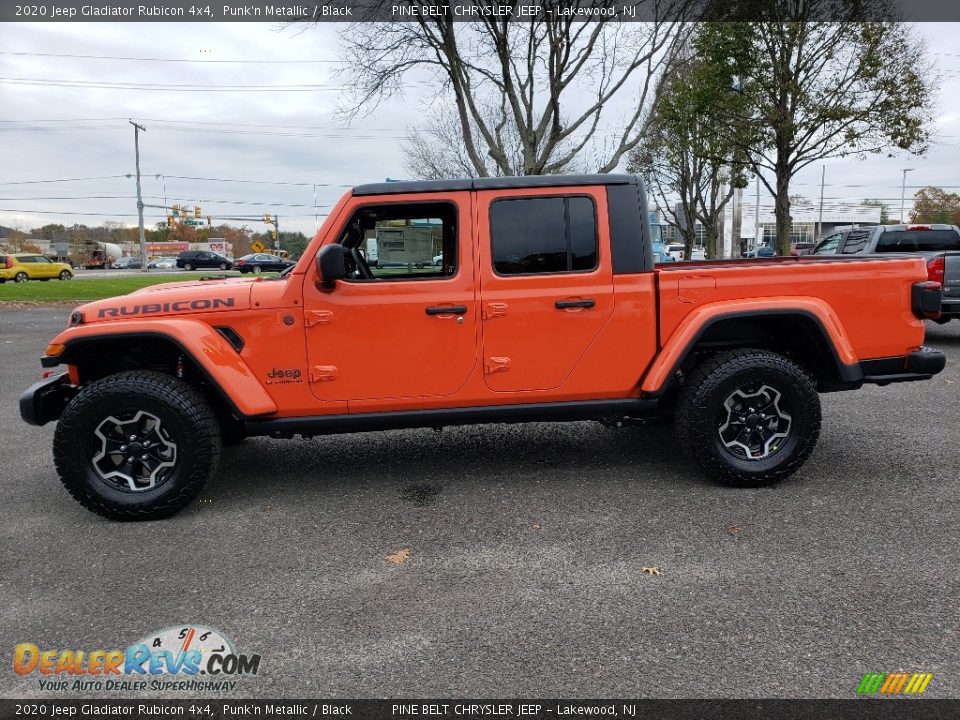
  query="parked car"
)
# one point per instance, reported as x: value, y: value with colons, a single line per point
x: 762, y: 252
x: 801, y: 248
x: 562, y: 301
x: 164, y: 263
x: 257, y: 263
x: 21, y: 267
x: 939, y: 244
x: 676, y: 251
x: 660, y: 254
x: 194, y: 259
x: 127, y: 263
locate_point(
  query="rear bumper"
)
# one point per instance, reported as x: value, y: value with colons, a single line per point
x: 45, y: 401
x: 921, y: 364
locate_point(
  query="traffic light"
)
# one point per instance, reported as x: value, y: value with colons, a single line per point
x: 267, y: 219
x: 196, y: 211
x: 273, y: 235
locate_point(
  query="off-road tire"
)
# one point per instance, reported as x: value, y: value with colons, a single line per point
x: 700, y: 412
x: 187, y: 418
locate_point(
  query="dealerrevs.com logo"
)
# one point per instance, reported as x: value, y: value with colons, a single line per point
x: 186, y: 657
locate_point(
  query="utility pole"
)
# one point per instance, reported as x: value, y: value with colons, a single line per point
x: 823, y: 175
x: 143, y: 239
x: 903, y: 194
x: 757, y: 233
x: 736, y: 223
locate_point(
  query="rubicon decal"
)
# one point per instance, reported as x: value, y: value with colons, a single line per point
x: 168, y: 307
x: 186, y: 651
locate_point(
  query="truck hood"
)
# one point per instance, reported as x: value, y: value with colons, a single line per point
x: 179, y: 298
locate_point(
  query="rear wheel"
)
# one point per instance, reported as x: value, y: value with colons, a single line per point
x: 21, y: 277
x: 749, y: 417
x: 66, y: 275
x: 223, y: 266
x: 137, y: 445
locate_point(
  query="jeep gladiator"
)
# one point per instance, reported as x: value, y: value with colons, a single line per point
x: 546, y: 305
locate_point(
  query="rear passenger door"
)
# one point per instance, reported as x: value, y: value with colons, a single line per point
x: 546, y: 283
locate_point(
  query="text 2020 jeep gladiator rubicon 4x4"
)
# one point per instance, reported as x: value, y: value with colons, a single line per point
x: 546, y: 306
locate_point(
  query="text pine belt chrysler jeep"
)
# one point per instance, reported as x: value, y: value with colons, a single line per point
x: 545, y: 305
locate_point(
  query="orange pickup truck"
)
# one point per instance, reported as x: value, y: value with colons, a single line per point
x: 538, y: 300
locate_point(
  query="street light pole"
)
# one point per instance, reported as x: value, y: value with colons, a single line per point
x: 143, y: 239
x: 903, y: 194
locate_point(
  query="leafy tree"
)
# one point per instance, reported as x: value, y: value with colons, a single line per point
x: 884, y: 209
x: 684, y: 152
x: 821, y: 90
x: 538, y: 86
x: 294, y: 243
x: 935, y: 205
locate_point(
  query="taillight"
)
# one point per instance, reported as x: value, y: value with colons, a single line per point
x: 9, y: 263
x: 935, y: 269
x: 240, y: 262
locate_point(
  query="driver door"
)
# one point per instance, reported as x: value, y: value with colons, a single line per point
x: 396, y: 335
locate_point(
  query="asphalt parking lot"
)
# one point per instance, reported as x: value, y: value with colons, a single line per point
x: 525, y: 544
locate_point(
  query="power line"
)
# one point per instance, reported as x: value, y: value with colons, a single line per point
x: 202, y: 122
x: 174, y: 60
x: 33, y: 182
x: 173, y: 87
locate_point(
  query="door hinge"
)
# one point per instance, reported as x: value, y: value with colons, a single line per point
x: 492, y: 310
x: 496, y: 364
x: 319, y: 317
x: 323, y: 373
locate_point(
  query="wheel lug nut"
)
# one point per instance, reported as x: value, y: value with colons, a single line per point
x: 146, y: 443
x: 123, y: 448
x: 133, y: 438
x: 143, y: 457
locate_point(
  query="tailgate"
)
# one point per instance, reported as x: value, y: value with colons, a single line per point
x: 951, y: 275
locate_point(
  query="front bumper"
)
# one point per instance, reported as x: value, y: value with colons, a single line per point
x: 45, y: 400
x: 921, y: 364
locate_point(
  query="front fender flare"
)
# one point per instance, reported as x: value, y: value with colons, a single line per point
x: 692, y: 327
x: 216, y: 358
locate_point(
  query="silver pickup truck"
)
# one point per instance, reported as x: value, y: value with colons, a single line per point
x: 939, y: 244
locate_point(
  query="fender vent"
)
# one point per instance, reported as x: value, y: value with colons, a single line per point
x: 231, y: 336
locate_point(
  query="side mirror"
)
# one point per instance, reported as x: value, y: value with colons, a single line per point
x: 330, y: 264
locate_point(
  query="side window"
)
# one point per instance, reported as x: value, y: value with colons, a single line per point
x: 27, y: 259
x: 543, y: 235
x: 828, y: 246
x: 856, y: 242
x: 402, y: 241
x: 41, y: 259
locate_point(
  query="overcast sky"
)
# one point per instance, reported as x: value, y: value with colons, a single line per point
x: 248, y: 134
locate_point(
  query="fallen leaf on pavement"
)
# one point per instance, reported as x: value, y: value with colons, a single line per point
x: 652, y: 570
x: 399, y: 557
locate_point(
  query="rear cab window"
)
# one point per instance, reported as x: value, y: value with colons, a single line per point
x: 556, y: 234
x: 918, y: 241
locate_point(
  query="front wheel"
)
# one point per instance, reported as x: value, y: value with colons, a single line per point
x: 188, y: 266
x: 749, y: 417
x: 138, y: 445
x: 257, y: 269
x: 223, y: 266
x: 66, y: 275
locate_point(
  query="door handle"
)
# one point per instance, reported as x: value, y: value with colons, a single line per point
x: 446, y: 309
x: 567, y: 304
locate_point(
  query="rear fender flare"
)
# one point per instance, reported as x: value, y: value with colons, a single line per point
x: 694, y: 325
x: 210, y: 351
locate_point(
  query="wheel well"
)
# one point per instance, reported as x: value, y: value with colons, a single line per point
x: 799, y: 337
x: 97, y: 358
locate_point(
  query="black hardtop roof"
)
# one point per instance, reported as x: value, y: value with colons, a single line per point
x: 492, y: 183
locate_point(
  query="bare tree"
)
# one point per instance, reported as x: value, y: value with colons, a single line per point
x: 551, y: 78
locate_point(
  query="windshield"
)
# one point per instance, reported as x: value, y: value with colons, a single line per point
x: 918, y: 241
